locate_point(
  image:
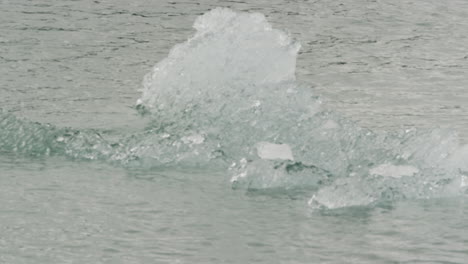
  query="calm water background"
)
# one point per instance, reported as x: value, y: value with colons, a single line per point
x: 385, y: 64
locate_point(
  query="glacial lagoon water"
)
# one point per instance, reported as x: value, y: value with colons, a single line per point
x: 289, y: 132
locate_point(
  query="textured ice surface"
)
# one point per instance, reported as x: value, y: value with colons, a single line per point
x: 229, y: 52
x: 270, y: 151
x: 234, y: 82
x: 366, y: 190
x: 396, y: 171
x: 228, y: 96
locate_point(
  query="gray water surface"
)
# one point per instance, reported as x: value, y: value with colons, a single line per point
x: 386, y: 64
x: 79, y: 64
x: 57, y: 211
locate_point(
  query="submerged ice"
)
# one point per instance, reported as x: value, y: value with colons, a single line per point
x: 227, y: 97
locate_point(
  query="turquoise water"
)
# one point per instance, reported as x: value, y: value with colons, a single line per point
x: 289, y: 133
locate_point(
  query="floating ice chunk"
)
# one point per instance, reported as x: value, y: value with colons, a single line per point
x: 229, y: 52
x: 271, y: 151
x: 395, y: 171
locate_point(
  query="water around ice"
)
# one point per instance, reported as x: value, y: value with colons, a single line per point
x: 227, y: 127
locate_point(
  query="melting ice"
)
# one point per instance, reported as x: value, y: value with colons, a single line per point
x: 228, y: 97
